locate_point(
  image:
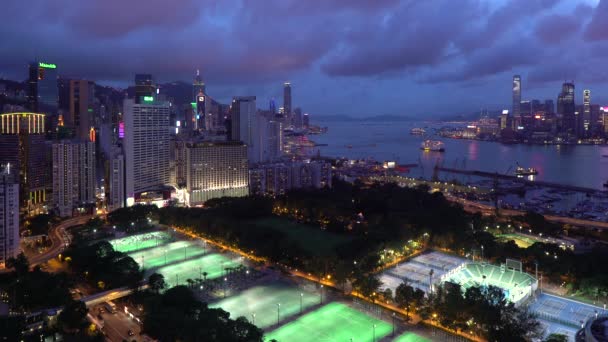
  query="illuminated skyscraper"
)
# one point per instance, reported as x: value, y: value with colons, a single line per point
x: 23, y: 145
x: 146, y: 145
x: 144, y: 86
x: 586, y: 118
x: 82, y: 93
x: 43, y: 94
x: 287, y: 110
x: 9, y: 214
x: 198, y: 86
x: 516, y: 110
x: 566, y: 109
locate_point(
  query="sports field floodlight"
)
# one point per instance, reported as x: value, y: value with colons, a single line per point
x: 374, y: 329
x: 278, y: 313
x: 301, y: 296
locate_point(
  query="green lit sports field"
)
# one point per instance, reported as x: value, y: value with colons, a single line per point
x: 213, y: 264
x: 262, y: 301
x: 141, y: 241
x: 334, y: 322
x: 153, y: 258
x: 411, y: 337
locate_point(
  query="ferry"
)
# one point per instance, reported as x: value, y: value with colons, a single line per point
x: 417, y: 131
x: 520, y: 171
x: 432, y: 145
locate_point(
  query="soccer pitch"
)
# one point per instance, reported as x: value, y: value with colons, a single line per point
x: 411, y: 337
x: 137, y: 242
x: 334, y: 322
x: 168, y: 254
x: 262, y: 301
x: 213, y: 264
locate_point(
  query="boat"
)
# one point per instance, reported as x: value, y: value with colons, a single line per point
x: 432, y: 146
x: 417, y: 131
x: 521, y: 171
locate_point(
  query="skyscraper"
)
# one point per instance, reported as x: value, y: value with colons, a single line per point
x: 516, y: 110
x: 9, y: 214
x: 115, y: 176
x: 73, y: 175
x: 586, y: 118
x: 146, y: 144
x: 244, y: 124
x: 549, y: 107
x: 144, y: 86
x: 198, y: 86
x: 43, y: 96
x: 287, y: 102
x: 216, y: 169
x: 566, y: 108
x: 82, y: 93
x: 22, y: 144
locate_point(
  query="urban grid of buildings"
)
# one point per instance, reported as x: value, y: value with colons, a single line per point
x: 71, y: 147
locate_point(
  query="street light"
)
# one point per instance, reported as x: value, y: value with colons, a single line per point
x: 253, y: 318
x: 393, y: 324
x: 301, y: 296
x: 321, y: 294
x: 374, y: 339
x: 278, y: 313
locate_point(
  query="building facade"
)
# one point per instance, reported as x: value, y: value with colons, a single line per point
x: 81, y: 118
x: 9, y: 214
x: 515, y: 110
x: 73, y: 175
x: 215, y: 169
x: 146, y: 144
x: 276, y: 179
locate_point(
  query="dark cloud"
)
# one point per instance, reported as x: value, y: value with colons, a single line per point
x: 598, y: 27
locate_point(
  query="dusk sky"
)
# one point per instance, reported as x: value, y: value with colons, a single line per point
x: 354, y: 57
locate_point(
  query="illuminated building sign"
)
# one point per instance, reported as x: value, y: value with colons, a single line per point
x: 201, y: 98
x: 121, y: 129
x: 148, y: 98
x: 47, y: 65
x: 537, y: 116
x: 505, y: 111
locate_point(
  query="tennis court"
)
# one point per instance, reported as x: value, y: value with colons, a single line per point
x: 137, y: 242
x: 564, y: 311
x: 259, y: 304
x: 411, y: 337
x: 334, y: 322
x: 214, y: 264
x: 153, y: 258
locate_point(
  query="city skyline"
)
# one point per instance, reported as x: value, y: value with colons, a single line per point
x: 341, y: 54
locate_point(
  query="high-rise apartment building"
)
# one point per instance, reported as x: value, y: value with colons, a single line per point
x: 146, y: 144
x: 23, y: 145
x: 81, y: 118
x: 9, y: 214
x: 515, y: 110
x: 215, y: 169
x: 115, y: 180
x: 73, y: 175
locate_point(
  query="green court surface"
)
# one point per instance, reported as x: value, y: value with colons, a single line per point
x: 170, y: 253
x: 334, y: 322
x: 262, y: 301
x: 411, y: 337
x: 137, y: 242
x: 213, y: 264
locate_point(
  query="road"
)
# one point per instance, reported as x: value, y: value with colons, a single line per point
x: 59, y: 239
x: 115, y: 326
x: 484, y: 209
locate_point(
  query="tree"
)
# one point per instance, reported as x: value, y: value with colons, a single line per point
x: 404, y: 295
x: 73, y: 317
x: 368, y: 285
x: 156, y: 281
x: 20, y: 264
x: 556, y: 338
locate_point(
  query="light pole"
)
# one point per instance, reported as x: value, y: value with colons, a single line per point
x: 301, y: 296
x: 393, y: 324
x: 374, y: 339
x: 225, y: 280
x: 176, y: 279
x: 321, y: 294
x: 165, y: 250
x: 481, y: 253
x: 278, y: 313
x: 253, y: 318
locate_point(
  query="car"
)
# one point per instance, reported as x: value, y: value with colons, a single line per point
x: 130, y: 332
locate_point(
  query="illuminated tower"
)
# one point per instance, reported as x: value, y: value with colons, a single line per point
x: 565, y: 108
x: 144, y: 86
x: 23, y: 145
x: 516, y: 108
x: 287, y: 102
x: 586, y: 124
